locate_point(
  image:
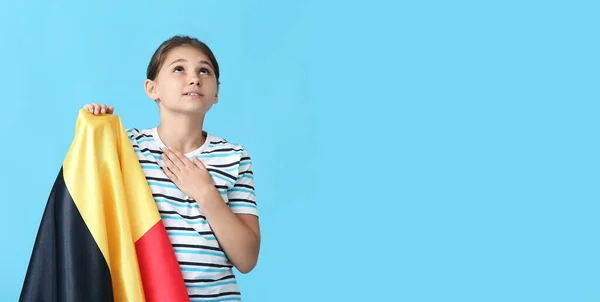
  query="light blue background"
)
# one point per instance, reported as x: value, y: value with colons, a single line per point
x: 439, y: 151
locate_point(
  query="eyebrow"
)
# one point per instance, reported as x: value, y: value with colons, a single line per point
x: 184, y: 60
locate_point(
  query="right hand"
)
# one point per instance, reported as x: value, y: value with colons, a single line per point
x: 99, y: 108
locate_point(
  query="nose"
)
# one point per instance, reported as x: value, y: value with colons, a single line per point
x: 195, y: 80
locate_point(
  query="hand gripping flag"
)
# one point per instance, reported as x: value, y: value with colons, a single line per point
x: 101, y: 237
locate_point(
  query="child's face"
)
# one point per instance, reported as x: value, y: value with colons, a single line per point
x: 186, y: 82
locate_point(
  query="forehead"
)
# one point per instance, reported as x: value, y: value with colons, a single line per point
x: 187, y: 53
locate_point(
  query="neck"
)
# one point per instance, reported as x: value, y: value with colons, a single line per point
x: 182, y: 132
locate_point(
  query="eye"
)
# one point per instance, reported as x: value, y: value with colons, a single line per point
x: 178, y: 69
x: 204, y: 71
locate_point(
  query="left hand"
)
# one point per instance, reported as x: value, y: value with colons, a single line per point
x: 190, y: 176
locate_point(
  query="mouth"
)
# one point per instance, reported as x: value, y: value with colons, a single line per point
x: 194, y: 94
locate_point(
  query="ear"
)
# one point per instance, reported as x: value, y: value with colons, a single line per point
x: 150, y: 88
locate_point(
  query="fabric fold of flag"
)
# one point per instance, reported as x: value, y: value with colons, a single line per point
x: 101, y: 237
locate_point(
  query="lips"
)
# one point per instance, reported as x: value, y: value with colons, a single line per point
x: 193, y: 94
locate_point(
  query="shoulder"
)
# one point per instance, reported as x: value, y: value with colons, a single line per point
x: 132, y: 132
x: 228, y: 152
x: 142, y: 139
x: 135, y: 134
x: 221, y: 143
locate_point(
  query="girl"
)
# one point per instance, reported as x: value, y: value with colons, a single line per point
x: 203, y: 185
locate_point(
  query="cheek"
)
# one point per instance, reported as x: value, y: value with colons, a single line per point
x: 169, y: 86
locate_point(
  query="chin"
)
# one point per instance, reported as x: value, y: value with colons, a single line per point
x: 195, y: 108
x: 199, y: 109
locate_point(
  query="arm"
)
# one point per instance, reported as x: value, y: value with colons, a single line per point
x: 235, y: 225
x: 238, y: 234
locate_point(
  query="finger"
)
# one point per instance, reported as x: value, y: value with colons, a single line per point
x: 169, y: 162
x: 103, y: 109
x: 110, y: 110
x: 90, y: 108
x: 170, y: 165
x: 177, y: 158
x: 169, y: 173
x: 184, y: 159
x: 96, y: 109
x: 198, y: 163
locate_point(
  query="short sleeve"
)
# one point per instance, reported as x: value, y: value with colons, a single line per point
x: 241, y: 197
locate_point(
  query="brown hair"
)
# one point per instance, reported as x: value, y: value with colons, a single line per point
x: 160, y: 54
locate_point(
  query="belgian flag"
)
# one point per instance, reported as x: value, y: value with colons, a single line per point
x: 101, y: 237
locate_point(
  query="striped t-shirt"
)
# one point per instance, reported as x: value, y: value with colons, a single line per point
x: 206, y: 270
